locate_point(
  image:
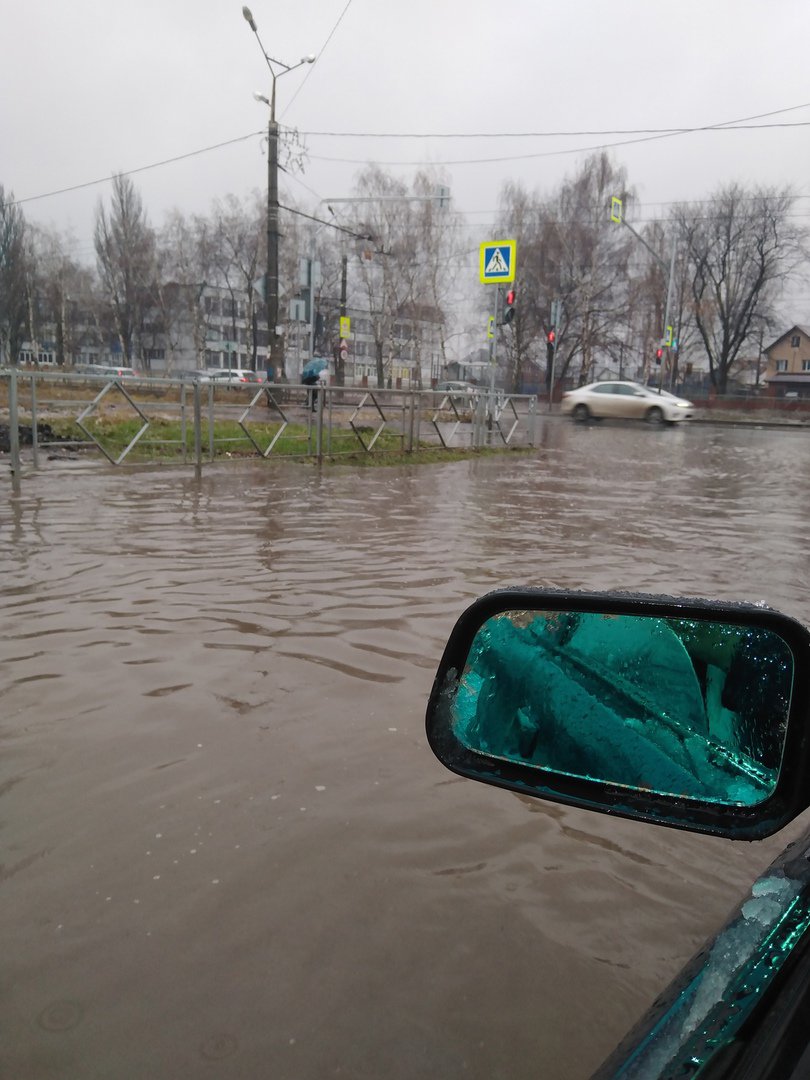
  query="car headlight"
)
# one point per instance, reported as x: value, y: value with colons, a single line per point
x: 683, y: 404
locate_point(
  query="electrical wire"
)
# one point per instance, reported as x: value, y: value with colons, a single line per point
x: 504, y: 159
x: 331, y: 224
x: 563, y: 134
x: 140, y: 169
x: 665, y: 133
x: 331, y: 34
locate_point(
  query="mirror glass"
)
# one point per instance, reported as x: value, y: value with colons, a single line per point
x: 680, y: 707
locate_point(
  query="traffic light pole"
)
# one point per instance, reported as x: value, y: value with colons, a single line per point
x: 551, y: 348
x: 492, y: 352
x: 666, y: 312
x: 620, y: 219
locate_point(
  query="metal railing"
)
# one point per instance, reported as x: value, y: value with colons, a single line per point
x: 194, y: 422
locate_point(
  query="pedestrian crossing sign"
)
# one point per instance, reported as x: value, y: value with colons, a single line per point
x: 498, y: 261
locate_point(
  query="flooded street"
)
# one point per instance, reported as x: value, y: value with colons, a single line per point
x: 227, y: 850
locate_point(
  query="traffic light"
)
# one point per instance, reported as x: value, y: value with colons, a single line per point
x: 508, y: 308
x: 551, y: 339
x: 659, y: 352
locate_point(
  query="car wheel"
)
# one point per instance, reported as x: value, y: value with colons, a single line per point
x: 581, y: 413
x: 655, y: 415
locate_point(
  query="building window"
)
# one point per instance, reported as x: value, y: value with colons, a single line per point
x: 781, y: 365
x: 795, y: 341
x: 805, y: 365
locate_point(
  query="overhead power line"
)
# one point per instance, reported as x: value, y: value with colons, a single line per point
x: 738, y: 124
x: 140, y: 169
x: 331, y: 224
x: 664, y: 133
x: 319, y: 55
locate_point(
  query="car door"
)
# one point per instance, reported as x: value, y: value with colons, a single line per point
x: 605, y: 400
x: 633, y: 402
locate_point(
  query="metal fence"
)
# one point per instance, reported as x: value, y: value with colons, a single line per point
x: 128, y: 420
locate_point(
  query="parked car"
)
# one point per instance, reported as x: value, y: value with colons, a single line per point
x: 460, y: 393
x: 686, y: 713
x: 189, y: 375
x: 107, y: 371
x: 456, y: 386
x: 625, y: 401
x: 233, y: 376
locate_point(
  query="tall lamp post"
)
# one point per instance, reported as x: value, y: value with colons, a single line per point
x: 277, y: 68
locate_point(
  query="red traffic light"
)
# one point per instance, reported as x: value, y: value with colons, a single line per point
x: 659, y: 353
x: 510, y: 297
x: 551, y: 336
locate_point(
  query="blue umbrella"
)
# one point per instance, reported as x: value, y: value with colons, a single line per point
x: 313, y: 368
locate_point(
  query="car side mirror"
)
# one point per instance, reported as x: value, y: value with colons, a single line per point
x: 686, y: 713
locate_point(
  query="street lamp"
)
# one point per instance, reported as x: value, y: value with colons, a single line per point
x: 275, y: 345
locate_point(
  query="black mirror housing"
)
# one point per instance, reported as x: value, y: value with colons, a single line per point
x: 679, y: 712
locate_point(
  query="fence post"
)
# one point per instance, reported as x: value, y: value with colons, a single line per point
x: 197, y: 430
x: 14, y: 430
x: 34, y: 425
x: 210, y: 421
x: 321, y: 391
x: 531, y: 426
x: 183, y: 423
x: 479, y: 425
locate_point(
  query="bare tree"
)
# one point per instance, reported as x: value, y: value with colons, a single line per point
x: 433, y: 273
x: 239, y: 236
x: 186, y: 255
x: 739, y: 251
x: 61, y: 293
x: 407, y: 269
x: 592, y: 268
x: 13, y: 274
x: 383, y: 286
x: 525, y: 218
x: 569, y: 251
x: 125, y: 251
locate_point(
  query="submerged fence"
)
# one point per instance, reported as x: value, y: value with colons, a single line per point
x: 132, y: 420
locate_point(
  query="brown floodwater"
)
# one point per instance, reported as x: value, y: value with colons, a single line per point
x: 227, y: 850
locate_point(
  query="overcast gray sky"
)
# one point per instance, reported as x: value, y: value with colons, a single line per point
x: 90, y: 87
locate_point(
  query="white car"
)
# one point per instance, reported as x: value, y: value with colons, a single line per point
x: 625, y: 401
x: 232, y: 376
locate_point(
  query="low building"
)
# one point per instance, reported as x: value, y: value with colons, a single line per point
x: 411, y: 344
x: 787, y: 373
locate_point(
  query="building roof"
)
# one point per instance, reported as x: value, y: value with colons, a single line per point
x: 802, y: 329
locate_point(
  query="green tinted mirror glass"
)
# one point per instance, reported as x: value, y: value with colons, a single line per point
x: 680, y: 707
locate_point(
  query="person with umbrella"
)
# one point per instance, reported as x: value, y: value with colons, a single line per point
x: 313, y: 374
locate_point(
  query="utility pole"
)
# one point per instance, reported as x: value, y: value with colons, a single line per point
x: 275, y: 343
x: 340, y: 367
